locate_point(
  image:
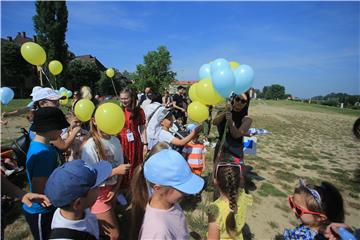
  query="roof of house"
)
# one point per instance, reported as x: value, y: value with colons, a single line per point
x: 90, y: 58
x: 188, y: 82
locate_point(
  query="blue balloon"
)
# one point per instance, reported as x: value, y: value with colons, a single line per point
x: 69, y: 93
x: 224, y: 82
x: 62, y: 89
x: 219, y: 64
x: 244, y: 78
x: 6, y: 95
x: 205, y: 71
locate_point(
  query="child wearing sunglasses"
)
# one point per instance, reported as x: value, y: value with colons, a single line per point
x: 227, y: 214
x: 316, y: 207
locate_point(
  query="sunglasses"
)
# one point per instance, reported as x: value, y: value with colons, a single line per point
x: 300, y: 210
x: 241, y: 100
x: 226, y: 164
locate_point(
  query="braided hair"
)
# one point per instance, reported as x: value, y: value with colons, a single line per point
x: 228, y: 178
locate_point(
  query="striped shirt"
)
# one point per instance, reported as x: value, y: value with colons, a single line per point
x: 194, y: 154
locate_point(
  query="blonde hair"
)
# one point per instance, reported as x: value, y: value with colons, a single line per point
x: 86, y: 92
x: 139, y: 192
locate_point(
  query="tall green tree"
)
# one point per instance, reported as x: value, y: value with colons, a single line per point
x: 82, y: 73
x: 155, y: 72
x: 15, y: 71
x: 104, y: 85
x: 50, y: 24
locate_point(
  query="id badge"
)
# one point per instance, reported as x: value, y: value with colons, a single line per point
x: 130, y: 136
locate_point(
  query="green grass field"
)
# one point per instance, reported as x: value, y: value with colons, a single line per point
x: 311, y: 141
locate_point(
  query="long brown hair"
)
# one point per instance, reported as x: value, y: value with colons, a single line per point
x: 94, y: 134
x: 140, y: 193
x: 133, y: 108
x: 229, y: 182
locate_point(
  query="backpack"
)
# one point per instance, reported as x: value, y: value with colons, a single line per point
x: 20, y: 146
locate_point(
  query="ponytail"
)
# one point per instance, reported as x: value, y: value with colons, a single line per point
x: 140, y: 198
x: 94, y: 134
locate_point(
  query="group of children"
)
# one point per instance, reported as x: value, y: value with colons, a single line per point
x: 84, y: 190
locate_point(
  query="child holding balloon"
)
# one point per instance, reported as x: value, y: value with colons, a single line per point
x: 105, y: 146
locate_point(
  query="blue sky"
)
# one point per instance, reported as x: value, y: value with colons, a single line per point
x: 312, y: 48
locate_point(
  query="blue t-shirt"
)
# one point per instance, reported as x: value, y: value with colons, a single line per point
x: 41, y: 161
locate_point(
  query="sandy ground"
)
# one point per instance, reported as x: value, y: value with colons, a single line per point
x: 312, y: 145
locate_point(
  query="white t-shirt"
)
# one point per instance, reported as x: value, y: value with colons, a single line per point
x: 153, y: 126
x: 164, y: 224
x: 88, y: 224
x: 165, y: 136
x: 113, y: 152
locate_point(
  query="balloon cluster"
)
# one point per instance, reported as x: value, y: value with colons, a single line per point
x: 218, y: 80
x: 66, y: 93
x: 6, y: 95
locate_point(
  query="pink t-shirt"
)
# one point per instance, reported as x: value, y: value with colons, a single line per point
x: 164, y: 224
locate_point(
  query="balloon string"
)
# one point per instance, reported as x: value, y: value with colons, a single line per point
x: 47, y: 78
x: 114, y: 87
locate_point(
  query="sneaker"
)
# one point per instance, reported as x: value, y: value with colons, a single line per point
x: 9, y: 172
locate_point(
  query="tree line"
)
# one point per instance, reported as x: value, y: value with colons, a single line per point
x: 50, y: 24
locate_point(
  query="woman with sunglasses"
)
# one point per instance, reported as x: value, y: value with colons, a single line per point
x: 237, y: 125
x: 316, y: 207
x: 228, y: 213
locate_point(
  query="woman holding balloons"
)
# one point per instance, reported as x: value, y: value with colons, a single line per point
x: 133, y: 141
x: 234, y: 123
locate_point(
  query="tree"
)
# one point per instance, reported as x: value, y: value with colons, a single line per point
x: 15, y: 71
x: 50, y: 24
x: 83, y: 73
x: 155, y: 72
x: 104, y: 85
x: 274, y: 91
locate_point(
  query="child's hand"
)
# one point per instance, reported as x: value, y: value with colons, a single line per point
x: 76, y: 130
x: 331, y: 230
x: 28, y: 198
x: 228, y: 115
x: 122, y: 169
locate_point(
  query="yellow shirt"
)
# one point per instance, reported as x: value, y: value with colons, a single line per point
x: 222, y: 208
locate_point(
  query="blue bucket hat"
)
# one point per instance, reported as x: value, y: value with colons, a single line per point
x: 74, y: 179
x: 169, y: 168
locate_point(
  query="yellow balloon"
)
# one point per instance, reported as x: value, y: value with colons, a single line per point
x: 84, y: 109
x: 234, y: 65
x: 109, y: 118
x: 33, y: 53
x: 198, y: 112
x: 55, y: 67
x: 206, y: 93
x: 65, y: 101
x: 110, y: 72
x: 192, y: 93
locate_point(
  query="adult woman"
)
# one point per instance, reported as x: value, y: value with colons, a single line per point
x: 238, y: 124
x: 132, y: 140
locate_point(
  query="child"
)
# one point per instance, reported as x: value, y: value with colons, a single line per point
x: 316, y: 207
x: 101, y: 146
x: 42, y: 159
x: 73, y: 151
x: 194, y: 153
x: 227, y: 214
x: 165, y: 118
x: 73, y: 188
x: 169, y: 177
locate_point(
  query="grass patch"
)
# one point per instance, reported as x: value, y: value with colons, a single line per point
x: 354, y: 205
x: 282, y: 207
x: 293, y: 165
x: 353, y: 195
x: 273, y: 225
x: 278, y: 164
x: 312, y: 167
x: 285, y: 175
x: 268, y: 189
